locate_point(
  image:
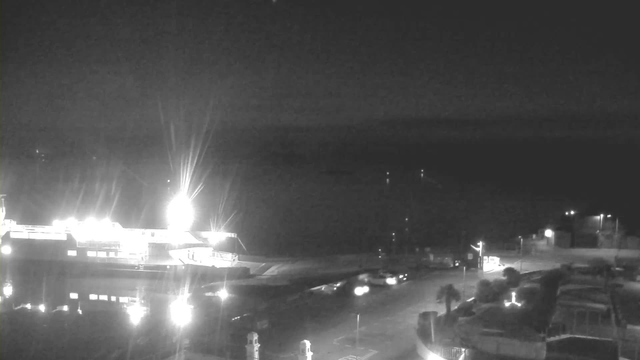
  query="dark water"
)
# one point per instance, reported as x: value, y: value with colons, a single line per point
x: 324, y: 197
x: 56, y: 311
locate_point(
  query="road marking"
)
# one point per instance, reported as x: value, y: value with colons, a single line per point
x: 370, y: 354
x: 356, y: 357
x: 336, y: 341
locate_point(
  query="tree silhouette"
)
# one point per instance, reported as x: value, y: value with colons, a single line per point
x: 500, y: 289
x: 513, y: 277
x: 484, y: 293
x: 448, y: 293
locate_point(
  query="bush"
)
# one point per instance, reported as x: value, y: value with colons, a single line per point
x: 527, y: 295
x: 601, y: 267
x: 500, y: 289
x: 513, y: 277
x: 484, y: 293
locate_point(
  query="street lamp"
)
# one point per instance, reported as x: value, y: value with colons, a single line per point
x: 479, y: 250
x: 521, y: 251
x: 357, y: 331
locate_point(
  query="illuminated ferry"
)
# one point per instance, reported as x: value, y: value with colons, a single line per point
x: 107, y: 242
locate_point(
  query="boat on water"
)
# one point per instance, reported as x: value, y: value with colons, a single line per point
x: 106, y: 244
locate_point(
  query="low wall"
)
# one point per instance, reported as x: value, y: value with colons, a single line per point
x: 437, y: 352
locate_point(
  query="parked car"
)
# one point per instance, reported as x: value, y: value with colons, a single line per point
x: 388, y: 278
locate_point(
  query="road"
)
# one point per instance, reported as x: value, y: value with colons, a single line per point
x: 388, y: 319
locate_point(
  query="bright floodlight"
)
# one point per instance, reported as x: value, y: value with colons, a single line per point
x: 548, y: 233
x: 42, y: 308
x: 180, y: 213
x: 181, y: 312
x: 7, y: 290
x: 223, y: 294
x: 6, y: 250
x: 136, y: 313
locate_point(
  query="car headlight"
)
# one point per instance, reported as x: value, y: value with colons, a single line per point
x: 361, y: 290
x: 391, y: 281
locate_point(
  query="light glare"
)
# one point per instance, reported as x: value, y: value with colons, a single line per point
x: 361, y: 290
x: 6, y: 250
x: 136, y: 313
x: 548, y: 233
x: 180, y: 213
x: 223, y: 294
x: 181, y: 312
x: 7, y: 290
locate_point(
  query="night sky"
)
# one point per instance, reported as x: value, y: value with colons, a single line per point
x: 528, y: 97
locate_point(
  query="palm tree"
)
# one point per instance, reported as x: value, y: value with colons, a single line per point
x: 448, y: 293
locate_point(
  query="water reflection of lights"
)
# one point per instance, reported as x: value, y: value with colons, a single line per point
x: 181, y: 312
x: 6, y: 250
x: 136, y: 312
x: 222, y: 294
x: 7, y: 290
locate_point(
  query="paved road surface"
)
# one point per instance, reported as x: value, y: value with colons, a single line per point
x: 388, y: 318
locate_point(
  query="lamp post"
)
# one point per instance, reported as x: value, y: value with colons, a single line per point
x: 479, y: 250
x: 550, y: 234
x: 464, y: 282
x: 601, y: 221
x: 357, y: 330
x: 521, y: 251
x: 571, y: 214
